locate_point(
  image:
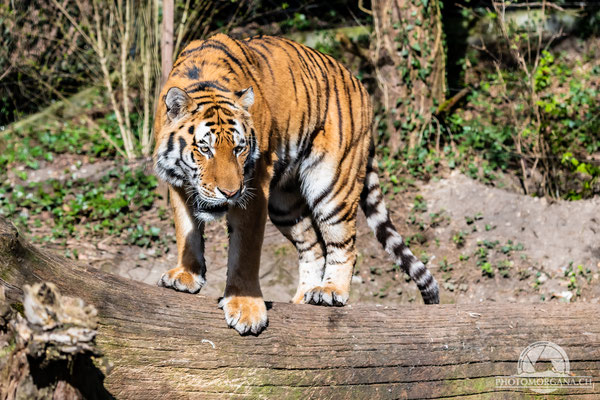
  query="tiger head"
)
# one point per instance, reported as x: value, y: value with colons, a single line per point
x: 207, y: 146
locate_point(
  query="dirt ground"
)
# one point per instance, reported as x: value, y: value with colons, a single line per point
x: 481, y: 243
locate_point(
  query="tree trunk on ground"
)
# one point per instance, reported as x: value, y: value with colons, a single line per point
x: 165, y: 344
x: 409, y: 62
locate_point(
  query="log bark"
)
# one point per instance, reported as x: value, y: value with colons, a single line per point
x: 409, y: 59
x: 165, y: 344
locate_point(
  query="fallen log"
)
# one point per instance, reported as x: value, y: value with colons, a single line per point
x: 164, y: 344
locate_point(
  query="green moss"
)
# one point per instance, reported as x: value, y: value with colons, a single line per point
x: 18, y: 307
x: 5, y: 351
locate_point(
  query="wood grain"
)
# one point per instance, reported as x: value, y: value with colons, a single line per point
x: 165, y: 344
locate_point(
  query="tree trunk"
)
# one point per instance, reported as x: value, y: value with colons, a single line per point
x: 165, y: 344
x: 167, y: 39
x: 166, y: 58
x: 410, y: 66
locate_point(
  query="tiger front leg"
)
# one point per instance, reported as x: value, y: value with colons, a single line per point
x: 242, y: 302
x: 190, y: 273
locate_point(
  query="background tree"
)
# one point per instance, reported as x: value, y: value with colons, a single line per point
x: 410, y: 66
x: 167, y: 40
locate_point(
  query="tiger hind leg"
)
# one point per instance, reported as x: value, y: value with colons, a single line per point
x: 333, y: 198
x: 339, y: 238
x: 290, y: 214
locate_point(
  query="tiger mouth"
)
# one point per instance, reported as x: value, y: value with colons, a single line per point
x: 214, y: 209
x: 208, y: 208
x: 208, y: 212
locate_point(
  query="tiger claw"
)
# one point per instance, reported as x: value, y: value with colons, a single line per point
x: 326, y: 296
x: 181, y: 280
x: 247, y: 315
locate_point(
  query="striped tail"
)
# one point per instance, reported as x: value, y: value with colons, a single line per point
x: 372, y: 204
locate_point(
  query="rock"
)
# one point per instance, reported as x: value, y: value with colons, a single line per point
x: 449, y: 286
x: 564, y: 296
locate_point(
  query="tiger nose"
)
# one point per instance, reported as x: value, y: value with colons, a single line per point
x: 228, y: 193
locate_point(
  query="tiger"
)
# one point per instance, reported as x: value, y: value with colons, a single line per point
x: 264, y: 127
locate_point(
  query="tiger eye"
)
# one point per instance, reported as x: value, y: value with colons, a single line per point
x: 238, y: 150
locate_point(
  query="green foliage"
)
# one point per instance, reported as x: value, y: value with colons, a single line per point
x: 497, y: 113
x: 459, y: 239
x: 298, y: 21
x: 36, y: 145
x: 80, y: 206
x: 486, y: 269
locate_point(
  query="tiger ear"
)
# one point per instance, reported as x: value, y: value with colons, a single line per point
x: 177, y: 102
x: 246, y: 97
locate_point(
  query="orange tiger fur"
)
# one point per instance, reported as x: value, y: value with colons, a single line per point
x: 268, y: 126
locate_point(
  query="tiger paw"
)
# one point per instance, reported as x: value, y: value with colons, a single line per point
x: 181, y: 280
x: 245, y: 314
x: 328, y: 295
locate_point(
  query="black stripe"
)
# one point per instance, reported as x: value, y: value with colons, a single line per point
x: 293, y: 83
x: 210, y: 95
x: 425, y: 284
x: 211, y: 44
x: 245, y: 71
x: 368, y: 208
x: 307, y: 150
x: 301, y: 134
x: 338, y: 209
x: 314, y: 162
x: 317, y: 81
x: 323, y: 195
x: 382, y: 233
x: 339, y: 111
x: 204, y: 85
x: 337, y: 262
x: 304, y: 249
x: 341, y: 245
x: 348, y: 215
x: 351, y: 116
x: 264, y: 57
x: 243, y: 49
x: 171, y: 172
x: 286, y: 222
x: 305, y: 66
x: 418, y: 274
x: 170, y: 144
x: 327, y: 88
x: 354, y: 182
x: 250, y: 159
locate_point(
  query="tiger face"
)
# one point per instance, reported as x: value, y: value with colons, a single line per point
x: 208, y: 148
